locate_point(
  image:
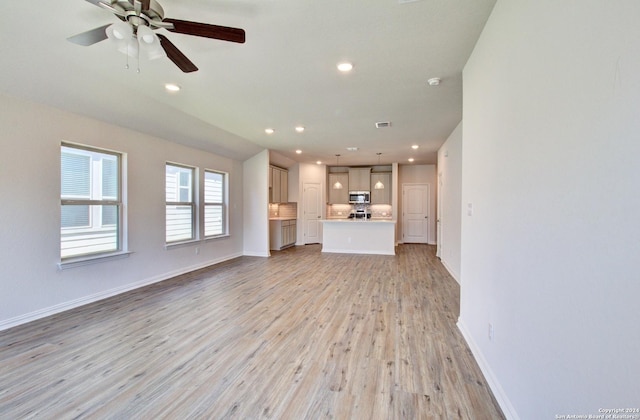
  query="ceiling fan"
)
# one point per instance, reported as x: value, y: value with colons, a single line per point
x: 135, y: 33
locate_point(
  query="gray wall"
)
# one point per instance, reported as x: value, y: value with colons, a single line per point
x: 450, y: 196
x: 31, y: 286
x: 550, y: 165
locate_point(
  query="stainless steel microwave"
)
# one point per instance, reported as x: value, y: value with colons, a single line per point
x: 359, y: 197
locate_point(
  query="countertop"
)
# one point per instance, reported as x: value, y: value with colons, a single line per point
x: 282, y: 218
x: 358, y: 220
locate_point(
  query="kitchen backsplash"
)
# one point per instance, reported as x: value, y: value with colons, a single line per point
x: 283, y: 210
x: 378, y: 211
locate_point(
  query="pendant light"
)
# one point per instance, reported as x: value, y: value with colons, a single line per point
x: 379, y: 185
x: 337, y: 185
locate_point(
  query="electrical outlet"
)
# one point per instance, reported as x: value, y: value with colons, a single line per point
x: 197, y: 250
x: 490, y: 332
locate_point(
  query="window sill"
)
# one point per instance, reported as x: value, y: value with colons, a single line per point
x: 94, y: 259
x: 213, y: 238
x: 194, y: 241
x: 181, y: 244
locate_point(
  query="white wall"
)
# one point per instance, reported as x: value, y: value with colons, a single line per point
x: 30, y: 284
x: 419, y: 174
x: 450, y: 186
x: 256, y: 205
x: 550, y: 163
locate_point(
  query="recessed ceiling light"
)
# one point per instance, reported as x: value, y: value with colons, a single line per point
x: 299, y: 129
x: 345, y: 67
x: 415, y: 146
x: 352, y: 149
x: 269, y: 130
x: 434, y: 81
x: 298, y: 151
x: 172, y: 87
x: 410, y: 159
x: 318, y: 162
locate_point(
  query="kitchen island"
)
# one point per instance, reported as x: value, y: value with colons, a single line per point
x: 358, y: 236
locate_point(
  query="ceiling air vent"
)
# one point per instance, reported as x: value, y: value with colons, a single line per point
x: 383, y: 124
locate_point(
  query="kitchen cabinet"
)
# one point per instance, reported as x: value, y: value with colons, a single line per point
x: 339, y: 195
x: 359, y: 179
x: 382, y: 196
x: 278, y: 185
x: 282, y: 233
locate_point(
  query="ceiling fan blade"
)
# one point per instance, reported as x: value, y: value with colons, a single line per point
x: 90, y: 37
x: 110, y: 8
x: 95, y: 2
x: 176, y: 55
x: 206, y: 30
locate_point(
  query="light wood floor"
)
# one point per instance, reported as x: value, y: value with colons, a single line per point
x: 300, y: 335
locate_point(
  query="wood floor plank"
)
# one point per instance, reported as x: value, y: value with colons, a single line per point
x: 300, y: 335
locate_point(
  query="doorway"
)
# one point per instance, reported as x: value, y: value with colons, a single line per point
x: 311, y: 212
x: 415, y: 213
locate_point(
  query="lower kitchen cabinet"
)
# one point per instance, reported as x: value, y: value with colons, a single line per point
x: 282, y: 233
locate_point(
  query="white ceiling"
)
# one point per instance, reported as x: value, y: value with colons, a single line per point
x: 284, y: 75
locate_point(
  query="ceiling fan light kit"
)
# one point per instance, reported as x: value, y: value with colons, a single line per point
x: 135, y: 31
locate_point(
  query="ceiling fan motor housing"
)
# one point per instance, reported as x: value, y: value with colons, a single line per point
x: 151, y: 16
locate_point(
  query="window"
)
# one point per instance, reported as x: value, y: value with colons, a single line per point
x: 91, y: 202
x: 180, y: 203
x: 215, y: 211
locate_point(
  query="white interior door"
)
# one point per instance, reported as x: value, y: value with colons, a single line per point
x: 311, y: 212
x: 415, y: 213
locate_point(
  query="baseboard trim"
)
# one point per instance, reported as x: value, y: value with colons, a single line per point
x: 256, y: 254
x: 503, y: 401
x: 65, y: 306
x: 451, y: 272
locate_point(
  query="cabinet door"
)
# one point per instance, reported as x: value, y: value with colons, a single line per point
x: 338, y: 196
x: 382, y: 196
x: 284, y: 186
x: 275, y: 189
x: 293, y: 231
x: 275, y: 234
x: 359, y: 179
x: 365, y: 179
x: 285, y: 233
x: 354, y: 179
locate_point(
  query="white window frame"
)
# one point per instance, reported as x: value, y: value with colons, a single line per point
x: 95, y: 203
x: 224, y: 206
x: 192, y: 203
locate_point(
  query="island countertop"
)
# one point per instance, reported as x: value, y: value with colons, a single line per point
x: 345, y: 220
x: 357, y: 236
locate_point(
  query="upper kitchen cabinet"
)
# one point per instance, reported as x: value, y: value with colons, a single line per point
x: 381, y: 195
x: 359, y: 179
x: 338, y: 188
x: 278, y: 185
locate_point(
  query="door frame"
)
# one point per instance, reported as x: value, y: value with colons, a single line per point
x: 439, y: 216
x: 427, y: 208
x: 304, y: 211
